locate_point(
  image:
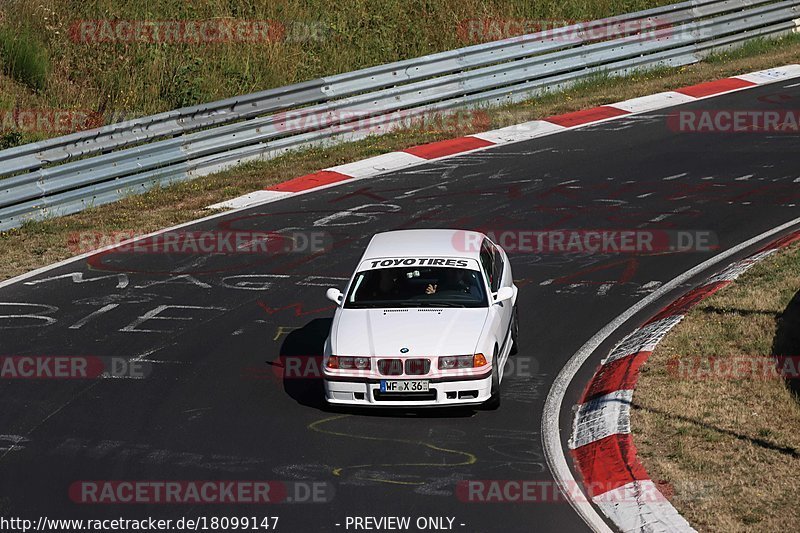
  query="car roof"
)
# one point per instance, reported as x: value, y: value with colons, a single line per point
x: 425, y: 243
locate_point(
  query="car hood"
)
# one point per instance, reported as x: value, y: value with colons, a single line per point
x: 366, y: 332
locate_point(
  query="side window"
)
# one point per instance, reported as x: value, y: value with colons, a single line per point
x: 497, y: 277
x: 487, y: 262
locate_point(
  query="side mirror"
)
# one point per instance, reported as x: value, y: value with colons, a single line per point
x: 334, y: 295
x: 505, y: 293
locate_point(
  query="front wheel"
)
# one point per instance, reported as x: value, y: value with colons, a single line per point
x: 494, y: 400
x: 514, y: 331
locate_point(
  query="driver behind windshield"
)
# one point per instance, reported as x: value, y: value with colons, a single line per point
x: 437, y: 285
x: 456, y: 281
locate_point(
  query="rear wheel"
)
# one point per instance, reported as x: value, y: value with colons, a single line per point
x: 514, y: 331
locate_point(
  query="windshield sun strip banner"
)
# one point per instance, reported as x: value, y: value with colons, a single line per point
x: 401, y: 262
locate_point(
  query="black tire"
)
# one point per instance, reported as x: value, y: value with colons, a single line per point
x: 493, y: 402
x: 514, y: 332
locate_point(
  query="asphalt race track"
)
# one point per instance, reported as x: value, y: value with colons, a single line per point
x: 217, y: 403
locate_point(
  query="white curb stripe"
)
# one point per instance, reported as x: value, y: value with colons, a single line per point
x: 639, y: 506
x: 771, y: 75
x: 249, y: 199
x: 520, y: 132
x: 643, y: 339
x: 740, y: 267
x: 373, y: 166
x: 602, y: 417
x: 653, y: 102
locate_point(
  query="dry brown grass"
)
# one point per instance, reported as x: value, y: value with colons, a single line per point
x: 137, y: 78
x: 737, y: 438
x: 42, y: 243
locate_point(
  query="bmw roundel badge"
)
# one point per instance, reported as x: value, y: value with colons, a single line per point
x: 403, y: 350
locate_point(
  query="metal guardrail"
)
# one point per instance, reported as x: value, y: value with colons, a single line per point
x: 68, y: 174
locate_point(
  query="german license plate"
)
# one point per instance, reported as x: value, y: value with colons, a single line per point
x: 416, y: 385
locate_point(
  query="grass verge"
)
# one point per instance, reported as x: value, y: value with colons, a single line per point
x: 124, y: 73
x: 730, y: 437
x: 41, y: 243
x: 24, y: 58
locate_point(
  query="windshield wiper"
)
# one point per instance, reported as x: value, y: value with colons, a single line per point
x: 441, y: 304
x: 402, y: 304
x: 379, y: 305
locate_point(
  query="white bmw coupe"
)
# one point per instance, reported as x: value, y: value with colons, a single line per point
x: 429, y: 318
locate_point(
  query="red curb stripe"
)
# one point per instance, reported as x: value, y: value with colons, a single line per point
x: 784, y: 241
x: 609, y: 464
x: 682, y: 305
x: 447, y: 147
x: 577, y: 118
x: 620, y: 374
x: 309, y: 181
x: 715, y: 87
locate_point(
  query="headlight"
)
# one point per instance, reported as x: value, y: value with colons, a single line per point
x: 452, y: 362
x: 349, y: 363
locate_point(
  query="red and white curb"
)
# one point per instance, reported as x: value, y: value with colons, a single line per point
x: 417, y: 155
x: 601, y: 444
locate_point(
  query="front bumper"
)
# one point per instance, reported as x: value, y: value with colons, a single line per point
x: 367, y: 392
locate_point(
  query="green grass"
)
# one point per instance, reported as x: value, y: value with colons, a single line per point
x: 11, y: 139
x: 754, y: 47
x: 24, y: 58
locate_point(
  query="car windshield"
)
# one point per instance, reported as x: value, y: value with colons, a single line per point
x: 417, y: 287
